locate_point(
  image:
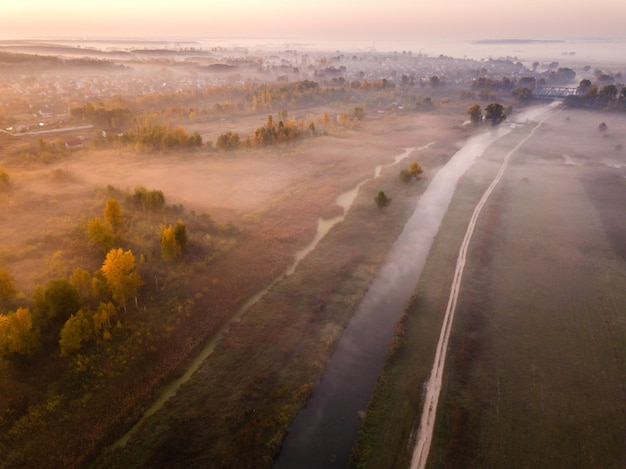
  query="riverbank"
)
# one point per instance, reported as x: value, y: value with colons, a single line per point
x: 263, y: 370
x: 534, y: 336
x: 274, y: 198
x: 387, y: 436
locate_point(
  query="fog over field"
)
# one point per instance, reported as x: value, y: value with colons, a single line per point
x: 340, y: 235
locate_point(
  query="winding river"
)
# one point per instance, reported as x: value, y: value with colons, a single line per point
x: 323, y: 433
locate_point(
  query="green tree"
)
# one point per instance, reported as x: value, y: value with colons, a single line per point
x: 228, y: 141
x: 180, y: 232
x: 103, y: 318
x: 522, y: 94
x: 494, y: 113
x: 100, y: 234
x: 607, y: 94
x: 99, y: 287
x: 121, y: 277
x: 76, y: 331
x: 583, y: 86
x: 55, y: 303
x: 143, y: 199
x: 382, y: 200
x: 405, y: 175
x: 591, y: 94
x: 475, y: 114
x: 113, y: 214
x: 81, y: 280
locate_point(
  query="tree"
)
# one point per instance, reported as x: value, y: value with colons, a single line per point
x: 57, y: 302
x: 7, y: 289
x: 591, y: 94
x: 103, y: 317
x: 583, y: 86
x: 382, y: 200
x: 405, y: 175
x: 494, y: 113
x: 79, y: 328
x: 228, y: 141
x: 435, y: 81
x: 522, y: 95
x: 5, y: 182
x: 122, y: 279
x: 81, y: 280
x: 607, y: 94
x: 562, y: 75
x: 143, y: 199
x: 100, y: 234
x: 170, y: 249
x: 17, y: 335
x: 173, y: 241
x: 475, y: 114
x: 180, y: 233
x: 602, y: 127
x: 415, y: 170
x: 113, y: 214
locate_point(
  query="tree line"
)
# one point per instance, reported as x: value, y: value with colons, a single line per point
x: 66, y: 314
x: 589, y: 95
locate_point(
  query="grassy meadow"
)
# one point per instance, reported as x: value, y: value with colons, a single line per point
x: 535, y: 366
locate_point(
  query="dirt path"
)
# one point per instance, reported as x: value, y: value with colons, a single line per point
x: 433, y: 386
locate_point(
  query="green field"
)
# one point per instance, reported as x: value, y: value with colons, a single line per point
x: 535, y: 373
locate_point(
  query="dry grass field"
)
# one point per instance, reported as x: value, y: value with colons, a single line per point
x: 241, y: 188
x: 535, y: 369
x: 274, y: 198
x: 264, y: 368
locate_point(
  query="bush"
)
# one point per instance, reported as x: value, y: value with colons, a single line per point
x: 4, y: 180
x: 382, y: 200
x: 145, y: 200
x: 405, y: 175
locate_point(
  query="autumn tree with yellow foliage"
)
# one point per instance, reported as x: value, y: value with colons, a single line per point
x: 17, y: 336
x: 173, y: 241
x: 7, y: 289
x: 121, y: 277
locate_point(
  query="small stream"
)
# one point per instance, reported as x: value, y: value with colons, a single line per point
x: 323, y: 433
x: 345, y: 200
x: 324, y: 225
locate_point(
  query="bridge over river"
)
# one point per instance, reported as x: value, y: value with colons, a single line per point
x: 550, y: 92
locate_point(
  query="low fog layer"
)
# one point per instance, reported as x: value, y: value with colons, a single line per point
x: 150, y: 188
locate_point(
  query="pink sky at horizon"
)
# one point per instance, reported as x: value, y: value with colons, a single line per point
x: 347, y: 19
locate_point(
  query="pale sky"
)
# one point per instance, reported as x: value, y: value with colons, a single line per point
x: 349, y: 19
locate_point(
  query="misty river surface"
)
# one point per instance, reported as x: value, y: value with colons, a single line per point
x: 323, y: 433
x: 344, y: 201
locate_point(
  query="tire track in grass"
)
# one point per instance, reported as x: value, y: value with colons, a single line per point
x: 433, y: 386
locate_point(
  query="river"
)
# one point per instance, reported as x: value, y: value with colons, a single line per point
x: 322, y: 434
x: 344, y: 200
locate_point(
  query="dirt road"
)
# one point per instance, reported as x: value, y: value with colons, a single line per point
x: 433, y: 387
